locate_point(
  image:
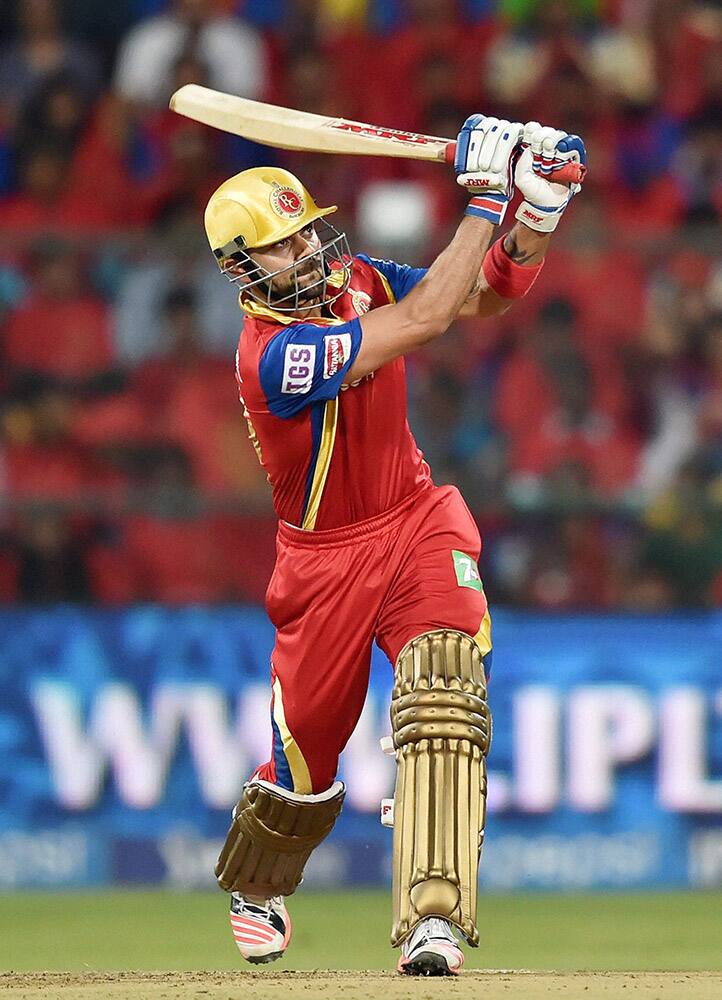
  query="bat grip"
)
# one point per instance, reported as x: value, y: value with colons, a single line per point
x: 571, y: 173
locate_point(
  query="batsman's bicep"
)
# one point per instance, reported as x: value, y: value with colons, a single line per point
x: 387, y: 333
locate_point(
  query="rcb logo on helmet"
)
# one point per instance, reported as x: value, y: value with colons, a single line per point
x: 286, y: 202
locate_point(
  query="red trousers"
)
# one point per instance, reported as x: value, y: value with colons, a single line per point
x: 391, y: 578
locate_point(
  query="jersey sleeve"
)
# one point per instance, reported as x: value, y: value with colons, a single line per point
x: 401, y: 277
x: 305, y: 364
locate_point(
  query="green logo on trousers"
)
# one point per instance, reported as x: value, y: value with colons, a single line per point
x: 467, y: 572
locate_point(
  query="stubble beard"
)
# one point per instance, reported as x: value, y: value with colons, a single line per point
x: 298, y: 283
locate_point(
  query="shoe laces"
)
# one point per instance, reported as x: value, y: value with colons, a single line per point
x: 439, y: 928
x: 432, y: 928
x: 266, y: 904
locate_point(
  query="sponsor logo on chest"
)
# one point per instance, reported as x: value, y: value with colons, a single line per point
x: 359, y: 381
x: 336, y: 352
x: 298, y: 367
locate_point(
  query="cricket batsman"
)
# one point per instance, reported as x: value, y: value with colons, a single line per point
x: 368, y: 547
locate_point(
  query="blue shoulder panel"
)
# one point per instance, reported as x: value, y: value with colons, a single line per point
x: 400, y: 277
x: 305, y: 364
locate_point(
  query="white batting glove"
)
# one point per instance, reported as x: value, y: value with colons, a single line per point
x: 486, y: 149
x: 545, y: 152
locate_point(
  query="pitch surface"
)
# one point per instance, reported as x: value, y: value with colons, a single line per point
x: 504, y: 985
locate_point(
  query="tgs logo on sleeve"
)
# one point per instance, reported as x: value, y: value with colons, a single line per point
x: 298, y: 366
x: 336, y: 352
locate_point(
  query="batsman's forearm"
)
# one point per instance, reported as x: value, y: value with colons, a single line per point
x: 436, y: 300
x: 526, y: 246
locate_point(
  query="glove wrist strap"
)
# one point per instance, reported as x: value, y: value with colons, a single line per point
x: 543, y: 220
x: 504, y: 276
x: 491, y: 207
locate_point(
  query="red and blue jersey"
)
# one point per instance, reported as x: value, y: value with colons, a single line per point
x: 334, y: 453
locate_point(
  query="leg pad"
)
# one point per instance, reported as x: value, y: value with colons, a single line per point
x: 271, y: 837
x: 442, y: 732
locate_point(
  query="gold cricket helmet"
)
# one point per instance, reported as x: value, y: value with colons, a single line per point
x: 257, y: 208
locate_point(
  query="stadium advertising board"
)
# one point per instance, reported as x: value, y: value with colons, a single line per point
x: 126, y: 736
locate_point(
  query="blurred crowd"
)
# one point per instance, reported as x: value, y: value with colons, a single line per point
x: 584, y: 427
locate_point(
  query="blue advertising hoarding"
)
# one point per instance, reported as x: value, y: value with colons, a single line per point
x: 125, y: 737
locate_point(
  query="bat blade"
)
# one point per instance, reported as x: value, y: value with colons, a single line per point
x: 286, y: 128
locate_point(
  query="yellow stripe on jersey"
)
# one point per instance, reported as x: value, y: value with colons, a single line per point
x: 323, y: 462
x: 387, y: 286
x: 296, y: 762
x: 483, y: 636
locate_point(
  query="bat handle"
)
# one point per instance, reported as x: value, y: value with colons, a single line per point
x: 572, y: 173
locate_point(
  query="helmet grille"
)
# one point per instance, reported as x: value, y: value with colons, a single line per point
x: 284, y: 290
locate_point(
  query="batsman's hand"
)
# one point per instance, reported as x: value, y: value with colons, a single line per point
x: 486, y: 150
x: 544, y: 152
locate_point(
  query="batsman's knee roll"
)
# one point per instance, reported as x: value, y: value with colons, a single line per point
x: 442, y: 732
x: 272, y: 836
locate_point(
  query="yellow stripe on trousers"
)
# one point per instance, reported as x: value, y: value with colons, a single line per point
x: 299, y: 768
x: 483, y: 636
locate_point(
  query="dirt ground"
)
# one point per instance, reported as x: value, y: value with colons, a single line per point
x: 493, y: 985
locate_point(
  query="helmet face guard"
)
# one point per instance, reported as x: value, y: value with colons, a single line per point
x: 283, y: 290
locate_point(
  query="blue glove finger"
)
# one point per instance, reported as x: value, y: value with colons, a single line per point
x: 473, y: 121
x: 462, y: 142
x: 573, y: 143
x: 462, y: 149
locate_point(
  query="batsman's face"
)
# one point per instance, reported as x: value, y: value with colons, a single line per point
x: 299, y: 275
x: 293, y: 250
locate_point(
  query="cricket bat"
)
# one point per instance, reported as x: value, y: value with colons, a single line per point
x: 285, y: 128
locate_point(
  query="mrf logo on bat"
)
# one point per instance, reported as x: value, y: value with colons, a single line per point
x: 376, y: 132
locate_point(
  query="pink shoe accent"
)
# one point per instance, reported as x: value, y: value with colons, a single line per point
x: 250, y: 931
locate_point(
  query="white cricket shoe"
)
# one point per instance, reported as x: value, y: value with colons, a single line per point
x: 261, y: 930
x: 431, y: 950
